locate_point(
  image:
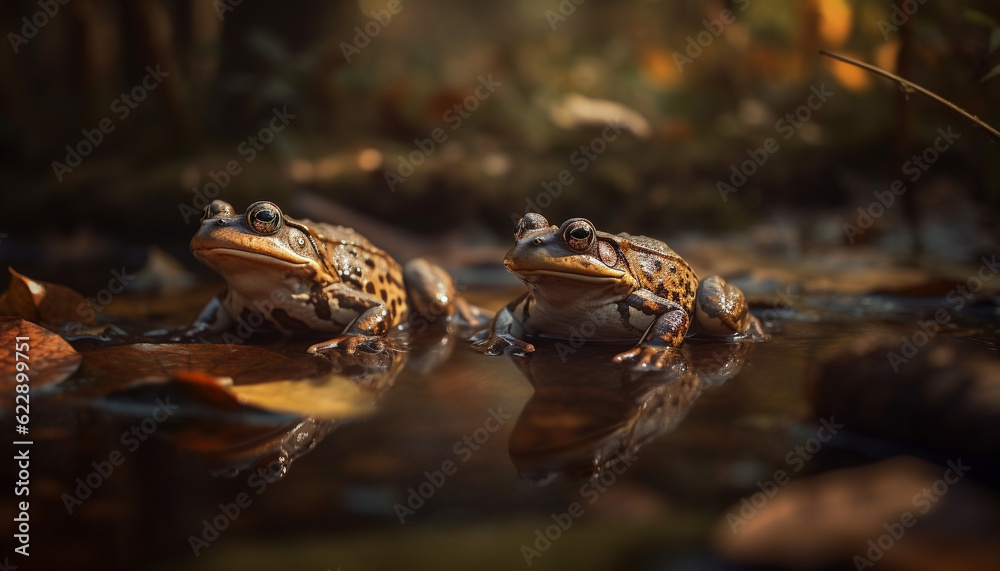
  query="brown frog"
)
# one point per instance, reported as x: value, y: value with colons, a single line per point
x: 583, y: 283
x: 295, y: 276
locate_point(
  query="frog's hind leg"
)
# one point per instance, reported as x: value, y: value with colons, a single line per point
x: 721, y: 309
x: 431, y: 293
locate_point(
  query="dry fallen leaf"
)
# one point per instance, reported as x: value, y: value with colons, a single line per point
x: 50, y: 359
x: 47, y: 304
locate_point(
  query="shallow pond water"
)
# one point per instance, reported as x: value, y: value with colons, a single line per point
x: 559, y: 460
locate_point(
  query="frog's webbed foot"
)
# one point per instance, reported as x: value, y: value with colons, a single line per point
x: 502, y: 336
x: 657, y: 351
x: 651, y: 357
x: 431, y: 294
x: 490, y: 343
x: 721, y: 309
x: 350, y: 344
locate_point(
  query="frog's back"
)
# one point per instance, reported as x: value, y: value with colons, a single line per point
x: 332, y: 235
x: 364, y: 266
x: 658, y: 268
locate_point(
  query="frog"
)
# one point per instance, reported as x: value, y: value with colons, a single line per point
x: 297, y: 276
x: 585, y: 284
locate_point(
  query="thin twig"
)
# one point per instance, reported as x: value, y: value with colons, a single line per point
x: 911, y: 87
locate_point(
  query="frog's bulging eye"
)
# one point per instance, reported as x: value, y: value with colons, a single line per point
x: 264, y: 218
x: 530, y: 221
x: 217, y: 209
x: 579, y: 235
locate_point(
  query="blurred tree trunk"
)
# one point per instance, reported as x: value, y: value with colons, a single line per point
x: 157, y: 31
x: 205, y: 50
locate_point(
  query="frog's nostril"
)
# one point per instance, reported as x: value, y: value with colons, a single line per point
x: 537, y: 241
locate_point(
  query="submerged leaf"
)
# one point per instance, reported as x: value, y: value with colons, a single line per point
x: 248, y: 376
x: 121, y: 365
x: 49, y: 358
x: 333, y: 397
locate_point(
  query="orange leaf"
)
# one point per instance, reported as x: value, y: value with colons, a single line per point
x: 47, y: 304
x: 50, y: 359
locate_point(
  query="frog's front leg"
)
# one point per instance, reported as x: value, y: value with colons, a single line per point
x: 213, y: 319
x: 656, y: 349
x: 368, y: 330
x: 721, y: 309
x: 503, y: 336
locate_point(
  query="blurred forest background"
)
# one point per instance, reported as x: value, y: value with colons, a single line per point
x: 696, y: 85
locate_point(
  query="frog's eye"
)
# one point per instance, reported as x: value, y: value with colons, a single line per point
x: 217, y: 209
x: 579, y: 235
x: 530, y: 221
x: 264, y: 218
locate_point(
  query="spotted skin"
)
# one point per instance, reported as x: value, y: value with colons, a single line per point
x: 294, y: 276
x: 616, y: 287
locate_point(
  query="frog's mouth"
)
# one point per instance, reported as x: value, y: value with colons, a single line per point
x: 612, y: 276
x: 221, y: 255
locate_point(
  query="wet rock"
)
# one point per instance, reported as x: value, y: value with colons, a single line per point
x: 900, y: 513
x: 941, y: 395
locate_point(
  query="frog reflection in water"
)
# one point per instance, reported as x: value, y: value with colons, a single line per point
x: 301, y: 276
x: 231, y: 445
x: 624, y: 287
x: 587, y: 416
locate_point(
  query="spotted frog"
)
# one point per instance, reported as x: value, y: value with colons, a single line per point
x: 584, y: 283
x: 302, y: 276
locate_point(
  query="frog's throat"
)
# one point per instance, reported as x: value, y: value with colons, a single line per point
x: 210, y: 253
x: 613, y: 276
